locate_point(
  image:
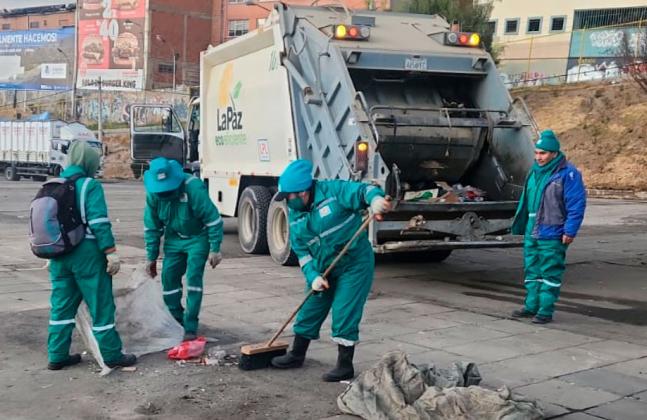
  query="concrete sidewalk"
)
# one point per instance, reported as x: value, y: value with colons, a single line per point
x: 573, y: 375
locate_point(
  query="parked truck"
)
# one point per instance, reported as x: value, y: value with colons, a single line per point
x: 398, y: 100
x: 36, y: 149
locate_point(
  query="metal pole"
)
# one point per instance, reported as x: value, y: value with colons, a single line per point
x: 174, y: 60
x: 75, y: 65
x: 532, y: 38
x: 100, y: 125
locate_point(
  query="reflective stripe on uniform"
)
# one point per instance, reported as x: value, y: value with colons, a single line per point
x: 532, y: 214
x: 313, y: 240
x: 61, y: 322
x: 339, y: 226
x: 99, y: 220
x: 104, y: 328
x: 550, y: 283
x: 194, y: 289
x: 84, y: 187
x: 215, y: 222
x: 90, y: 236
x: 304, y: 260
x: 153, y: 229
x: 326, y: 201
x: 190, y: 180
x: 529, y: 280
x: 343, y: 341
x: 171, y: 292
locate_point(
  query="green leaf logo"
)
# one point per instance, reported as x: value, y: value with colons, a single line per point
x: 236, y: 92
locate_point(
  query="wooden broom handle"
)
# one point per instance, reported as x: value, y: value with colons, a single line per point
x: 324, y: 275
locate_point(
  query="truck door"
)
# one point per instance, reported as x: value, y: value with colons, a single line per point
x: 193, y: 132
x: 155, y: 131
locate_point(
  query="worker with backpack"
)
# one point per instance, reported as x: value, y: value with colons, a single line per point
x: 76, y: 235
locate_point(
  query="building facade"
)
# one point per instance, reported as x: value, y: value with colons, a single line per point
x: 556, y: 41
x: 48, y: 17
x: 232, y: 18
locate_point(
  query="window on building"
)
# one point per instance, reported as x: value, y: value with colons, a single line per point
x: 238, y: 28
x: 491, y: 27
x: 165, y: 68
x: 534, y: 25
x: 6, y: 26
x: 34, y: 25
x: 260, y: 22
x: 511, y: 26
x: 597, y: 18
x: 44, y: 22
x: 557, y: 23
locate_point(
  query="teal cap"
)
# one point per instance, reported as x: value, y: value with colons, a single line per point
x: 548, y: 141
x: 163, y: 175
x: 296, y: 177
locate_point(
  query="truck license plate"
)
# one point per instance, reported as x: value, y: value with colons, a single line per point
x: 415, y: 63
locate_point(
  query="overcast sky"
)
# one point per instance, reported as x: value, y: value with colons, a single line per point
x: 13, y: 4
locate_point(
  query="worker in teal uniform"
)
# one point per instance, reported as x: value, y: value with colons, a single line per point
x: 178, y: 207
x: 323, y: 216
x: 550, y: 213
x: 86, y: 272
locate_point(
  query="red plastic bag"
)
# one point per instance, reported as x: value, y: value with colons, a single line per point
x: 188, y: 349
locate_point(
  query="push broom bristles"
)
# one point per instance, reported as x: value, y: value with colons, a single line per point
x: 259, y: 356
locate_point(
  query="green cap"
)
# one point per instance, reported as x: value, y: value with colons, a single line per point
x: 548, y: 141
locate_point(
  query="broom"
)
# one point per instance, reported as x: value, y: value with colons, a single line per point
x: 259, y: 356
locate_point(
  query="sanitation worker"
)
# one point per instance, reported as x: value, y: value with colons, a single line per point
x: 178, y: 207
x: 323, y: 216
x: 550, y: 214
x: 86, y: 272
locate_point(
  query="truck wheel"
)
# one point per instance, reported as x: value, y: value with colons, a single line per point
x: 252, y: 219
x: 424, y: 256
x: 278, y: 234
x: 10, y: 174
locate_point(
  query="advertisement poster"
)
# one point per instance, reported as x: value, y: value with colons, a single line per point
x: 37, y: 59
x: 111, y: 44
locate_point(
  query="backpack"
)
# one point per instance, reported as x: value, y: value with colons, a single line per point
x: 55, y: 223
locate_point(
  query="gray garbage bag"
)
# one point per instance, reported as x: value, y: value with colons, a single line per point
x: 396, y: 389
x: 141, y: 318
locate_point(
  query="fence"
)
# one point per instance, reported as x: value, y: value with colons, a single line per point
x: 608, y: 52
x: 21, y: 104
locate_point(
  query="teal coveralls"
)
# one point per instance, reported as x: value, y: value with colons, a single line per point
x: 192, y: 227
x: 544, y: 259
x: 317, y: 236
x: 81, y: 275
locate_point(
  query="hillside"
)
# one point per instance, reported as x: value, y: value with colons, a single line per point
x: 602, y: 127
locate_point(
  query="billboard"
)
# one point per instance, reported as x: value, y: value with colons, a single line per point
x: 37, y: 59
x: 111, y: 44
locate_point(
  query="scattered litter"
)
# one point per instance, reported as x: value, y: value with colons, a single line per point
x: 397, y: 389
x: 47, y: 386
x: 422, y: 195
x: 188, y: 349
x: 129, y: 369
x: 148, y: 409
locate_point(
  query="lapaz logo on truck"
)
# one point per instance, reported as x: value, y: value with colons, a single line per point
x: 229, y: 118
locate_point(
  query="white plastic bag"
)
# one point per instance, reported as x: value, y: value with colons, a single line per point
x: 142, y: 320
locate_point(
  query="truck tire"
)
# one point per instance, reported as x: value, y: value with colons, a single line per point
x: 10, y: 174
x: 423, y: 256
x: 278, y: 234
x: 252, y: 219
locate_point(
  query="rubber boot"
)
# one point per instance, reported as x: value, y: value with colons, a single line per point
x: 124, y: 361
x: 72, y: 360
x: 344, y: 369
x: 295, y: 357
x: 522, y: 313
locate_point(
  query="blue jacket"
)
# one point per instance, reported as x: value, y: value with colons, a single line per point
x: 561, y: 210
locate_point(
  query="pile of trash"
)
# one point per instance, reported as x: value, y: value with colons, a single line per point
x: 396, y: 389
x: 444, y: 193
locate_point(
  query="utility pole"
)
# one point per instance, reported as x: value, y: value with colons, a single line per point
x: 100, y: 125
x: 174, y: 61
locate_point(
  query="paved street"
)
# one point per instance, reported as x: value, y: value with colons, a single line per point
x: 589, y: 364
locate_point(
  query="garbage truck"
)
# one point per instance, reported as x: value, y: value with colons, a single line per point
x: 36, y: 149
x: 396, y: 100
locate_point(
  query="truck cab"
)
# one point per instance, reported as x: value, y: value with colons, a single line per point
x: 157, y: 131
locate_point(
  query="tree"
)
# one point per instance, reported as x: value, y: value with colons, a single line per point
x: 633, y: 55
x: 473, y: 16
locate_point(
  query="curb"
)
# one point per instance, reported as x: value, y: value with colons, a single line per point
x: 617, y: 194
